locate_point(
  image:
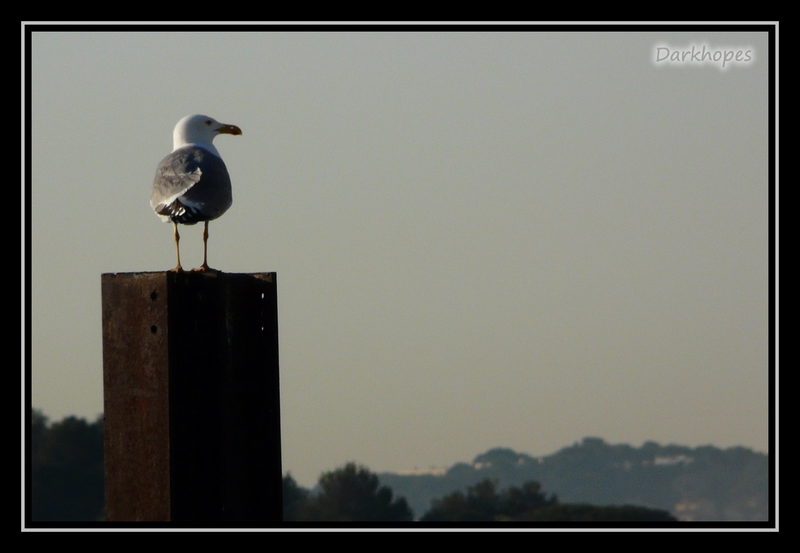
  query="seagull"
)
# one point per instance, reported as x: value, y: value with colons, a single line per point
x: 192, y: 183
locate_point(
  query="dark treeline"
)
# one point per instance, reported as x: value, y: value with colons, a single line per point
x: 66, y: 469
x: 353, y: 494
x: 349, y: 494
x: 703, y: 483
x: 66, y: 484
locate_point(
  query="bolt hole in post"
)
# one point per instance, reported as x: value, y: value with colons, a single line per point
x: 154, y: 329
x: 154, y: 296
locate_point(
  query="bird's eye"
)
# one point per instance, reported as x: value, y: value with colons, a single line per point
x: 208, y: 122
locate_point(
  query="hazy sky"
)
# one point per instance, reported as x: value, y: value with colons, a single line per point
x: 482, y: 239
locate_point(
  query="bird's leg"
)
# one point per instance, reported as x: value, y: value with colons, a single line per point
x: 204, y: 267
x: 205, y: 246
x: 178, y: 268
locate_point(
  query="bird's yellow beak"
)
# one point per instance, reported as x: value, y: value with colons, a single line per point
x: 229, y: 129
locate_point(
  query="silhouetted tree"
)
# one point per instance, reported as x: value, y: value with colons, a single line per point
x: 515, y: 501
x: 478, y: 503
x: 294, y: 499
x: 353, y: 493
x: 67, y: 480
x: 481, y: 502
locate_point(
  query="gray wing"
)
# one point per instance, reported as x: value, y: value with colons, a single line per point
x: 191, y: 185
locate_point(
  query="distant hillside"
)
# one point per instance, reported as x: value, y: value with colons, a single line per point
x: 694, y: 484
x: 701, y: 484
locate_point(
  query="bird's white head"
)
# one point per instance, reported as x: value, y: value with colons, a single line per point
x: 200, y: 130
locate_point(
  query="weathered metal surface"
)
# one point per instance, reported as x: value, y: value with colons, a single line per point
x: 192, y: 395
x: 136, y: 396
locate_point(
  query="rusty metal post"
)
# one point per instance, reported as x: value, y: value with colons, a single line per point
x: 192, y: 399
